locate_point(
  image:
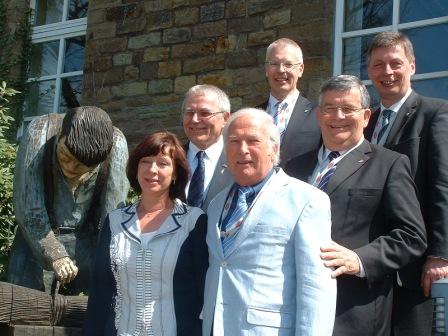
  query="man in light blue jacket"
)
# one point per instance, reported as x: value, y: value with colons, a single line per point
x: 264, y: 236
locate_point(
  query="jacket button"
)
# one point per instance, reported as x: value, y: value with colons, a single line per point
x: 224, y: 264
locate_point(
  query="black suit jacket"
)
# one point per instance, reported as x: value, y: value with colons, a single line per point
x: 375, y: 212
x: 302, y: 133
x: 421, y: 132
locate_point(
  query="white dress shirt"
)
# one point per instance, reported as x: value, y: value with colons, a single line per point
x: 291, y: 100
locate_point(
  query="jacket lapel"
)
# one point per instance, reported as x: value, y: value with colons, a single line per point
x: 270, y: 192
x: 349, y: 165
x: 406, y: 111
x: 221, y: 178
x: 301, y: 110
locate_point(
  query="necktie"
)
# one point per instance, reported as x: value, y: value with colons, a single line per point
x: 196, y: 190
x: 331, y: 168
x: 233, y: 219
x: 384, y: 123
x: 279, y: 116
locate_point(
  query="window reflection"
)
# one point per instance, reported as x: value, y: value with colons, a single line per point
x: 40, y: 98
x: 48, y: 11
x: 415, y: 10
x: 437, y: 87
x: 428, y: 57
x: 77, y: 9
x: 44, y: 59
x: 360, y: 14
x: 74, y: 53
x: 355, y: 56
x: 71, y: 90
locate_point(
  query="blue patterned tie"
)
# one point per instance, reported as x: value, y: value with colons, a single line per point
x: 324, y: 180
x: 232, y: 221
x: 196, y: 190
x: 384, y: 123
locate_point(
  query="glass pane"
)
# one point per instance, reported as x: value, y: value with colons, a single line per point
x: 354, y: 56
x: 48, y: 11
x: 70, y: 93
x: 437, y: 88
x: 40, y: 98
x: 360, y: 14
x: 430, y: 55
x: 44, y: 59
x: 77, y: 9
x: 74, y: 53
x: 374, y: 98
x: 414, y: 10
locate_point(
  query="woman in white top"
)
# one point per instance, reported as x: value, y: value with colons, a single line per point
x: 151, y: 256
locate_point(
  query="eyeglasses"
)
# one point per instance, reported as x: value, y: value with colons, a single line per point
x: 346, y: 110
x: 286, y: 65
x: 201, y: 115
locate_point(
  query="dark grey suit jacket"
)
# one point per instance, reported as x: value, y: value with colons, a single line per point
x: 302, y: 133
x: 420, y: 131
x: 375, y: 212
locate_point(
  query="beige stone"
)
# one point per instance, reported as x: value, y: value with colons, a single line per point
x: 156, y: 54
x: 261, y: 38
x: 169, y: 69
x: 186, y: 16
x: 122, y: 59
x: 130, y: 89
x: 203, y: 64
x: 143, y: 41
x: 277, y: 18
x: 221, y: 79
x: 183, y: 83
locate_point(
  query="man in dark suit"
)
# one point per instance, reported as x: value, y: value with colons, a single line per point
x: 416, y: 126
x: 205, y: 110
x: 377, y: 226
x: 292, y: 112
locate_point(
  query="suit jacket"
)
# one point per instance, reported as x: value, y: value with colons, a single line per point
x: 220, y: 179
x: 302, y: 132
x: 375, y: 212
x: 273, y: 281
x: 421, y: 132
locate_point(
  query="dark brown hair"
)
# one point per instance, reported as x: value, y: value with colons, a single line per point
x: 391, y: 39
x: 168, y: 144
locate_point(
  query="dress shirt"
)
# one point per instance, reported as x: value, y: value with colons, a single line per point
x: 291, y: 100
x: 394, y: 108
x: 211, y: 158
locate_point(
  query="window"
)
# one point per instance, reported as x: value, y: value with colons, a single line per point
x: 425, y: 22
x: 56, y: 64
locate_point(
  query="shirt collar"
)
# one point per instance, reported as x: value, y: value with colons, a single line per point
x: 323, y: 151
x: 290, y: 98
x: 396, y: 107
x: 212, y: 152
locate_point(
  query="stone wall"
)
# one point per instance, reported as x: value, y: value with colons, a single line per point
x: 141, y: 56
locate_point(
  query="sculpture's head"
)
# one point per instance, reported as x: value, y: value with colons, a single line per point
x: 85, y: 140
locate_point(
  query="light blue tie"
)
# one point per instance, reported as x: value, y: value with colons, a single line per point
x: 324, y: 180
x: 233, y: 218
x: 384, y: 123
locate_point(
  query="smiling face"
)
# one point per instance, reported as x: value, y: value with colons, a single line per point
x: 203, y: 133
x: 155, y: 174
x: 250, y: 153
x: 341, y: 132
x: 281, y: 80
x: 70, y: 166
x: 390, y: 71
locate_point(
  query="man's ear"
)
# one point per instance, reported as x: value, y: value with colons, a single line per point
x: 226, y: 116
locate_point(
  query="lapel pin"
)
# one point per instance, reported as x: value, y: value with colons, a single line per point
x: 361, y: 161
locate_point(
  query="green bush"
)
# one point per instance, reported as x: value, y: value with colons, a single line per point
x: 7, y: 157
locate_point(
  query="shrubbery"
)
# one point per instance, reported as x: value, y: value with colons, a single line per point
x: 7, y: 157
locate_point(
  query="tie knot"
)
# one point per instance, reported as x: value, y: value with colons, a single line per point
x: 245, y: 191
x: 386, y: 114
x: 333, y: 155
x: 280, y: 106
x: 200, y: 155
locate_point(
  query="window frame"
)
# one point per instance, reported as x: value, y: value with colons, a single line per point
x: 340, y: 35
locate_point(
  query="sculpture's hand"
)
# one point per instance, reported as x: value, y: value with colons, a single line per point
x: 64, y: 269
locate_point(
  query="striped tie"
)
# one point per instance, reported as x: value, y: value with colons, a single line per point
x: 384, y: 123
x: 196, y: 189
x: 324, y: 180
x: 279, y: 119
x: 232, y: 221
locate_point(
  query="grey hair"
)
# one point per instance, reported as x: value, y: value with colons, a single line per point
x: 206, y: 89
x: 266, y: 119
x: 285, y: 42
x: 344, y: 83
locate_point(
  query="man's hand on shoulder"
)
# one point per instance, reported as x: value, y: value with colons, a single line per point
x: 341, y: 259
x: 433, y: 269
